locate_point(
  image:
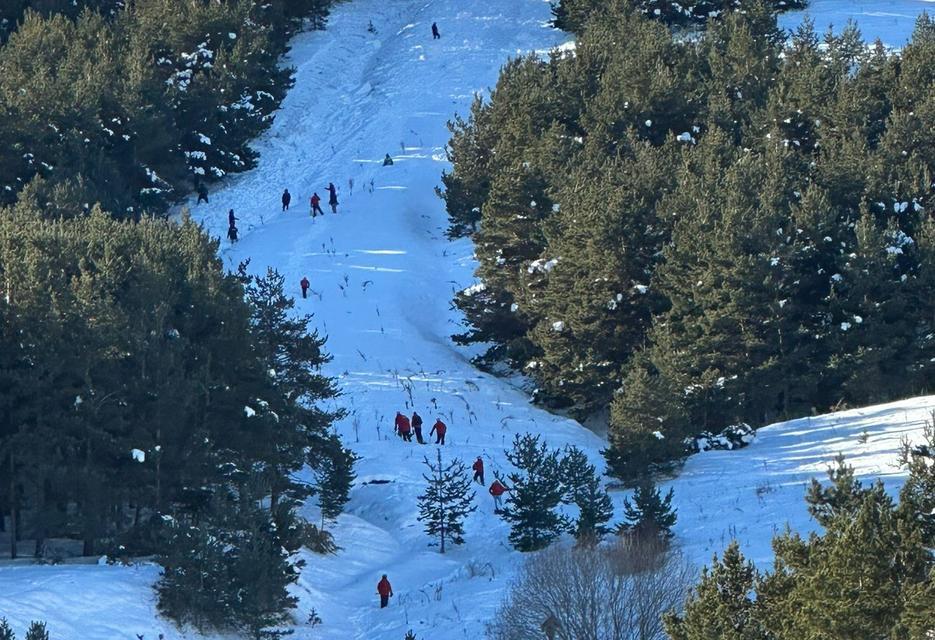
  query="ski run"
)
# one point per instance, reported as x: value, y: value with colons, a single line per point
x: 381, y: 277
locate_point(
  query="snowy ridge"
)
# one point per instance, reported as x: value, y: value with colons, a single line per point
x: 382, y: 276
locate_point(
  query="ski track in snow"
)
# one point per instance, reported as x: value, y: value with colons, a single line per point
x: 382, y: 276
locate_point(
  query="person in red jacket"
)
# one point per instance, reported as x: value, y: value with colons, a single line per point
x: 478, y: 467
x: 439, y: 430
x: 385, y: 589
x: 403, y: 428
x: 315, y: 202
x: 496, y: 490
x: 304, y: 284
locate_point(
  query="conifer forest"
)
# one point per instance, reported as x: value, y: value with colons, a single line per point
x: 448, y: 319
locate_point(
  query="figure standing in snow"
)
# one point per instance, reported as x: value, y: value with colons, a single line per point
x: 286, y: 199
x: 232, y: 234
x: 333, y: 197
x: 315, y: 201
x: 417, y: 426
x: 202, y: 194
x: 435, y: 34
x: 387, y: 161
x: 496, y: 490
x: 304, y: 284
x: 403, y: 428
x: 478, y: 467
x: 385, y: 589
x: 231, y: 219
x: 439, y: 429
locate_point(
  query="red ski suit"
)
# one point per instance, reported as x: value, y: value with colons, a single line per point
x: 384, y: 588
x: 402, y: 424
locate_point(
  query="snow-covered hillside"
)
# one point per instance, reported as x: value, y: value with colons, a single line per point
x: 891, y: 21
x: 382, y: 276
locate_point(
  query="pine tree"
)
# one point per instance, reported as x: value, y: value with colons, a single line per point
x: 721, y: 605
x: 582, y: 487
x: 841, y: 499
x: 535, y: 494
x: 37, y: 631
x: 650, y: 513
x: 334, y: 478
x: 446, y: 501
x: 6, y: 631
x: 410, y: 635
x: 917, y: 497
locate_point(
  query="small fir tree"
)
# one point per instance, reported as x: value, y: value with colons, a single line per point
x: 843, y: 497
x: 650, y: 513
x: 37, y: 631
x: 334, y: 478
x: 917, y: 498
x: 721, y: 606
x: 583, y: 489
x: 6, y: 631
x: 446, y: 501
x: 535, y: 494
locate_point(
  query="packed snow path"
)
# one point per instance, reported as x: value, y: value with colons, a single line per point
x: 382, y: 276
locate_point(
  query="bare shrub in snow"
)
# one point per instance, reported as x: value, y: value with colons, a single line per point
x: 610, y: 592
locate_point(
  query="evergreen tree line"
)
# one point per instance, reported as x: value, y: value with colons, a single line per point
x: 869, y: 575
x: 133, y: 104
x: 573, y: 15
x: 689, y: 233
x: 151, y: 403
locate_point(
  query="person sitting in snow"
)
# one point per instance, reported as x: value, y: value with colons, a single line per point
x: 387, y: 161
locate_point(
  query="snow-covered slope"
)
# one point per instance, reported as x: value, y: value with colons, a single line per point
x: 382, y: 277
x: 891, y: 21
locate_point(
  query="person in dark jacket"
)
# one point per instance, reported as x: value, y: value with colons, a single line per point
x: 231, y: 218
x: 202, y: 194
x: 286, y: 199
x: 417, y: 427
x: 232, y: 234
x: 333, y: 197
x: 439, y: 429
x: 315, y: 201
x: 385, y: 589
x: 304, y: 284
x: 387, y: 161
x: 435, y: 34
x: 478, y: 467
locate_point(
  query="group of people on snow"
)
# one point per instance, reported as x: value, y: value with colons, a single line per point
x: 404, y: 428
